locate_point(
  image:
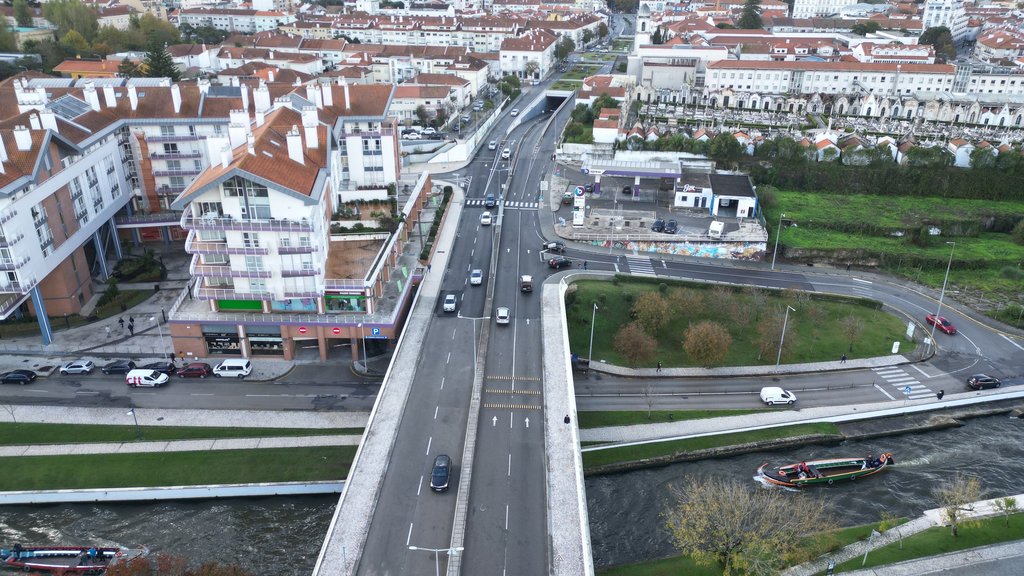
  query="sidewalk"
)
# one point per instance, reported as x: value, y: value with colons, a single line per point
x: 178, y: 445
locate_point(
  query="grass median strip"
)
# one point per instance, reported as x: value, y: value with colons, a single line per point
x: 602, y: 419
x: 176, y: 468
x: 12, y: 434
x: 641, y: 452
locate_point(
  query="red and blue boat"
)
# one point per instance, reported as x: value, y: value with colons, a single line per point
x: 827, y: 471
x: 66, y: 560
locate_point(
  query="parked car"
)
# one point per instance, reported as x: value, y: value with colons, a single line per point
x: 196, y: 370
x: 77, y: 367
x: 627, y: 190
x: 772, y: 395
x: 515, y: 112
x: 559, y: 262
x: 492, y: 145
x: 466, y: 118
x: 506, y: 153
x: 23, y: 377
x: 449, y: 303
x: 671, y: 227
x: 983, y: 381
x: 566, y: 198
x: 118, y: 367
x: 658, y: 226
x: 429, y: 131
x: 490, y: 201
x: 441, y: 473
x: 147, y: 378
x: 502, y: 315
x: 556, y: 247
x: 233, y: 368
x: 588, y: 188
x: 476, y: 277
x: 164, y: 367
x: 940, y: 323
x: 486, y: 219
x: 478, y: 106
x: 413, y: 136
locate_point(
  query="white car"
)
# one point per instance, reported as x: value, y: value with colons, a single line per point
x: 772, y: 395
x: 476, y: 277
x: 502, y: 315
x: 492, y: 145
x: 449, y: 303
x: 486, y: 219
x: 412, y: 136
x: 515, y: 112
x: 506, y: 153
x: 77, y: 367
x: 429, y: 131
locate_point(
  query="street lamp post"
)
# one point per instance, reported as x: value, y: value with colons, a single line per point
x: 138, y: 431
x: 161, y: 332
x: 942, y: 293
x: 782, y: 339
x: 362, y: 336
x: 778, y: 233
x: 593, y: 316
x: 437, y: 555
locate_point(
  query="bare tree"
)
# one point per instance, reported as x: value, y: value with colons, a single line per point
x: 758, y: 299
x: 853, y: 327
x: 750, y: 531
x: 769, y: 330
x: 707, y: 343
x: 651, y: 312
x: 648, y: 391
x: 720, y: 299
x: 956, y: 498
x: 634, y: 344
x: 10, y: 410
x: 685, y: 300
x: 1006, y: 506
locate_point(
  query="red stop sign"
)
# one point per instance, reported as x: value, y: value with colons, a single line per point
x: 336, y: 330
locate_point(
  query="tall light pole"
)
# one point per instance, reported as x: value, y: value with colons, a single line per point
x: 362, y: 336
x: 138, y: 431
x: 782, y: 339
x: 593, y: 316
x: 938, y: 312
x: 161, y: 332
x: 437, y: 555
x: 778, y: 233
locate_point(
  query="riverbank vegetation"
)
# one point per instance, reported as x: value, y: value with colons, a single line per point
x: 641, y: 322
x: 602, y: 419
x: 26, y: 433
x: 150, y: 469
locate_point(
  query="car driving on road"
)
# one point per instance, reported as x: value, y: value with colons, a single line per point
x: 940, y: 323
x: 441, y: 473
x: 492, y: 145
x: 449, y: 303
x: 486, y: 219
x: 983, y: 381
x: 476, y: 277
x: 502, y: 315
x: 772, y: 395
x: 559, y: 262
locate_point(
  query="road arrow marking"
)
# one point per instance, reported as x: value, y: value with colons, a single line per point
x: 527, y: 422
x: 494, y: 422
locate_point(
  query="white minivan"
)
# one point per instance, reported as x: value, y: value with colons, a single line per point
x: 147, y: 378
x: 233, y: 368
x: 772, y: 395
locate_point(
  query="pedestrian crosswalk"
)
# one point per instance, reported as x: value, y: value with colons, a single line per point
x: 509, y: 204
x: 640, y: 266
x: 904, y: 383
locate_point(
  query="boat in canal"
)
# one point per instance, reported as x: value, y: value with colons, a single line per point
x: 66, y: 560
x: 825, y: 471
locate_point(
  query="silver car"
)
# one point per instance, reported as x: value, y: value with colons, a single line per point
x: 502, y: 315
x: 77, y: 367
x: 476, y: 277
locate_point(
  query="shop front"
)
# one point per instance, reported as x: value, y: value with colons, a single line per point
x: 265, y: 341
x: 220, y: 342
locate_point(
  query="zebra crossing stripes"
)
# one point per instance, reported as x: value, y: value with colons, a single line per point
x: 640, y: 266
x: 899, y: 379
x: 509, y: 204
x: 512, y: 406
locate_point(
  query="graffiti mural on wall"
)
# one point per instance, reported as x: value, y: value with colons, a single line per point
x: 727, y: 250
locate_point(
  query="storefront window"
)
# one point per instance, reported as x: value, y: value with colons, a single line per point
x: 265, y: 341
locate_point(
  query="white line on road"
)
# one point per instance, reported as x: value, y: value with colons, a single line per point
x: 453, y: 334
x: 200, y: 394
x: 506, y: 516
x: 510, y: 465
x: 1011, y: 341
x: 409, y: 537
x: 419, y: 487
x: 472, y: 252
x: 449, y: 359
x: 864, y: 281
x: 442, y: 382
x: 435, y: 412
x: 509, y: 420
x: 880, y: 389
x: 86, y: 393
x: 923, y: 373
x: 429, y: 440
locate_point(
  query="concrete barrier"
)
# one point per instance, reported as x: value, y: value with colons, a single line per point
x: 170, y: 492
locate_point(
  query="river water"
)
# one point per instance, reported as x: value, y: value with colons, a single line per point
x: 626, y: 510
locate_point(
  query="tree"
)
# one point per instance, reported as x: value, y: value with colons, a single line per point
x: 564, y: 47
x: 983, y: 159
x: 158, y: 63
x: 634, y: 344
x: 22, y: 14
x: 865, y: 28
x: 586, y: 37
x: 683, y: 301
x: 8, y: 43
x: 155, y: 30
x: 128, y: 69
x: 531, y: 69
x: 853, y: 328
x: 69, y: 15
x: 928, y: 157
x: 1006, y: 506
x: 956, y: 499
x: 74, y: 42
x: 750, y: 18
x: 725, y: 148
x: 1018, y: 233
x: 720, y: 521
x: 657, y: 38
x: 707, y: 343
x: 602, y: 30
x: 651, y: 312
x: 422, y: 115
x: 940, y: 38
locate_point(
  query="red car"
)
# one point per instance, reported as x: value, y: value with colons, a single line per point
x: 195, y: 370
x: 941, y: 324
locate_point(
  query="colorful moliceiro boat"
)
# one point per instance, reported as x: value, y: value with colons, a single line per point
x: 60, y: 560
x: 824, y: 471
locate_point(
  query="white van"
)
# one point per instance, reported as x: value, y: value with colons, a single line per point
x: 148, y: 378
x: 233, y: 368
x: 772, y: 395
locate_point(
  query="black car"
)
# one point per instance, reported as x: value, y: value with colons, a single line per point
x: 490, y: 201
x: 559, y: 262
x: 671, y: 227
x: 983, y: 381
x: 164, y: 366
x: 556, y: 247
x: 119, y: 367
x: 23, y: 377
x: 441, y: 473
x: 589, y: 188
x: 658, y: 226
x: 627, y: 190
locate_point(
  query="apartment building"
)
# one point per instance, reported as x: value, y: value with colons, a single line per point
x: 235, y: 19
x: 948, y: 13
x: 533, y: 50
x: 819, y: 8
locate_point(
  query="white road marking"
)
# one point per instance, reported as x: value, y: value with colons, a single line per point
x: 429, y: 440
x: 506, y: 516
x: 419, y: 487
x: 198, y: 394
x: 435, y: 412
x: 449, y: 359
x: 864, y: 281
x: 509, y: 420
x: 510, y: 465
x: 442, y: 382
x: 86, y: 393
x: 923, y: 373
x: 882, y: 390
x: 1011, y: 341
x: 409, y: 537
x: 453, y: 334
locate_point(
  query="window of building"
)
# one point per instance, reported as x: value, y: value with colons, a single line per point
x: 167, y: 130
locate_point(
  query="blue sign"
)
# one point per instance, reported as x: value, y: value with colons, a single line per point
x: 375, y: 331
x: 585, y: 170
x: 580, y: 191
x: 376, y: 335
x: 906, y: 390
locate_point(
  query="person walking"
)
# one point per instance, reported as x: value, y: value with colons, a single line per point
x: 131, y: 329
x: 842, y: 359
x: 940, y: 394
x: 131, y: 319
x: 584, y: 264
x: 659, y: 367
x: 120, y: 321
x: 567, y: 419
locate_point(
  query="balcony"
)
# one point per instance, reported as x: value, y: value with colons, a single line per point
x: 296, y: 249
x: 13, y: 263
x: 75, y: 195
x: 195, y: 246
x: 6, y: 216
x: 302, y: 294
x: 81, y: 214
x: 174, y: 138
x: 162, y: 217
x: 344, y: 284
x: 166, y: 190
x: 300, y: 272
x: 182, y: 172
x: 223, y: 271
x: 39, y: 219
x: 176, y: 156
x: 8, y: 242
x: 16, y: 287
x: 218, y: 222
x: 204, y: 293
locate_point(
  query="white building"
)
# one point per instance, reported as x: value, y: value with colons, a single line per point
x: 537, y: 46
x: 819, y: 8
x: 948, y: 13
x: 235, y: 19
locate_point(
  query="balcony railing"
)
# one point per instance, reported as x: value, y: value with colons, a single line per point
x: 225, y: 271
x: 39, y: 219
x: 154, y: 217
x: 7, y: 215
x: 204, y: 293
x: 176, y: 156
x: 8, y: 242
x: 300, y: 272
x: 173, y: 138
x: 77, y: 193
x: 13, y: 263
x: 80, y: 214
x: 190, y: 222
x: 302, y: 294
x: 9, y: 286
x: 344, y: 284
x: 195, y: 246
x: 296, y: 249
x: 167, y: 190
x: 179, y: 172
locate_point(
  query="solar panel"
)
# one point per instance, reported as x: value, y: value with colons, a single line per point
x: 224, y: 92
x: 68, y: 107
x: 99, y: 82
x: 51, y: 83
x: 147, y: 81
x: 298, y: 102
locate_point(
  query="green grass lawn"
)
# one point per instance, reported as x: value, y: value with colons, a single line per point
x: 622, y: 44
x: 30, y: 433
x: 594, y: 419
x: 656, y: 449
x: 566, y: 85
x: 937, y: 540
x: 176, y: 468
x: 814, y: 332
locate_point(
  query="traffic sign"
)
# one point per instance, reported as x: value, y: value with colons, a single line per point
x: 336, y: 330
x: 585, y: 170
x: 906, y: 389
x: 302, y: 330
x: 580, y: 191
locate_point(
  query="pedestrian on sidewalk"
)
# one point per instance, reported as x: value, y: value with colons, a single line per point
x: 842, y: 359
x: 584, y: 264
x: 131, y: 320
x: 940, y: 394
x: 108, y: 331
x: 131, y: 329
x: 659, y: 367
x: 120, y: 321
x: 567, y: 419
